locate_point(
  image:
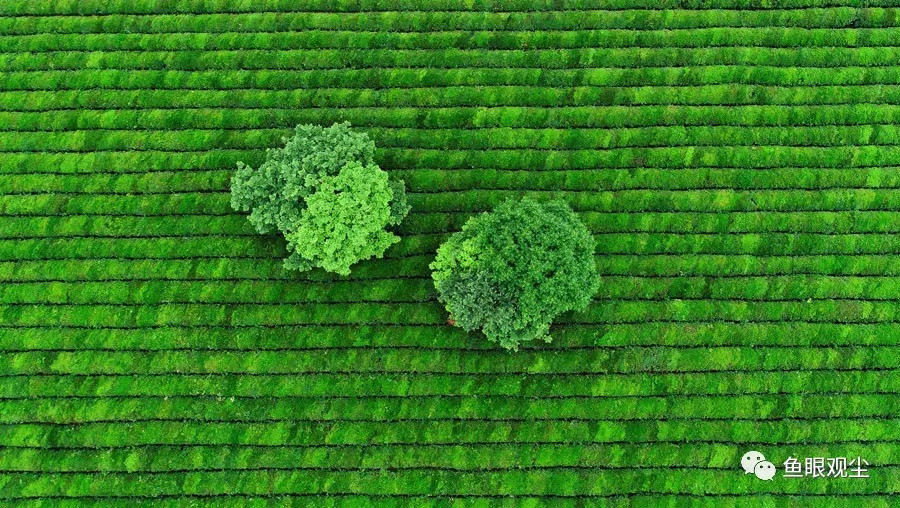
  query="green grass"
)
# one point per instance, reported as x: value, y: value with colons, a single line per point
x: 738, y: 162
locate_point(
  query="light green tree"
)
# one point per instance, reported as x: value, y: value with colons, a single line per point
x: 325, y: 194
x: 344, y: 221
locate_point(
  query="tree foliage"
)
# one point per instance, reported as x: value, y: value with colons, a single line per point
x: 325, y: 194
x: 345, y: 220
x: 512, y: 271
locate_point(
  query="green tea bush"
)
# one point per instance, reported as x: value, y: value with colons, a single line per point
x: 325, y: 194
x: 512, y: 271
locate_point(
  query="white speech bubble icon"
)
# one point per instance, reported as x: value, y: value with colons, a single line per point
x: 749, y: 461
x: 764, y: 470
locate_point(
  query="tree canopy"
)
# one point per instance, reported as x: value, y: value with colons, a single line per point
x: 325, y: 194
x: 510, y: 272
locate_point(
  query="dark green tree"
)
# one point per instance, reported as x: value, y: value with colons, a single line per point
x: 510, y: 272
x: 325, y: 194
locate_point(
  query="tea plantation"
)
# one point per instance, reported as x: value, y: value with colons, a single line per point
x: 737, y: 161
